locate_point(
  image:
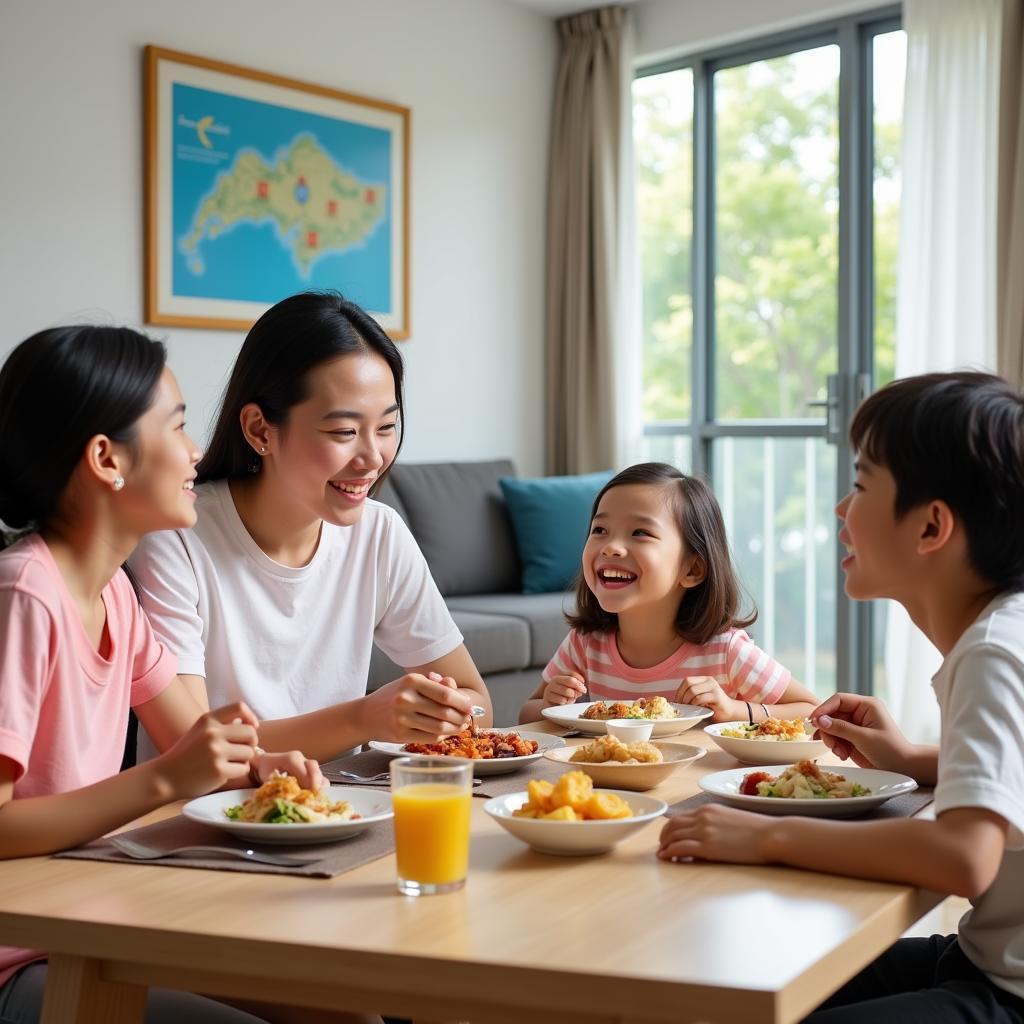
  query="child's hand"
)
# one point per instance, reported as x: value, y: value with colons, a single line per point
x: 861, y: 728
x: 706, y: 693
x: 293, y: 762
x: 714, y: 832
x: 217, y: 749
x: 564, y: 690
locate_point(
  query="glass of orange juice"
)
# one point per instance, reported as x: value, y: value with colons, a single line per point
x: 431, y: 798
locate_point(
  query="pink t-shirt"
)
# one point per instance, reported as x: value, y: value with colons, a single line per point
x: 63, y: 706
x: 731, y: 658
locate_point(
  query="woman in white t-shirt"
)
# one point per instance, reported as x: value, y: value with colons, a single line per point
x: 292, y: 573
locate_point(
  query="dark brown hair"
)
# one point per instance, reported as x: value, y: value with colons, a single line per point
x: 710, y: 607
x: 957, y: 438
x: 272, y: 370
x: 58, y: 389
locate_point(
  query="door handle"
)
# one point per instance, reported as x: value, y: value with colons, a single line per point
x: 845, y: 392
x: 831, y: 406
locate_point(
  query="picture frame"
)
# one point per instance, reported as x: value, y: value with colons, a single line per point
x: 259, y: 186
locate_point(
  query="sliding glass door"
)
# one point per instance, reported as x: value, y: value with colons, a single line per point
x: 768, y: 197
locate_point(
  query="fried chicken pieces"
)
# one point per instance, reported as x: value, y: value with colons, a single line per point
x: 485, y: 746
x: 572, y: 798
x: 642, y: 707
x: 610, y: 748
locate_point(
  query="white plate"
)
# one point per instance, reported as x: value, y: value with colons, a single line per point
x: 765, y: 751
x: 568, y: 715
x: 883, y: 786
x: 573, y: 838
x: 372, y: 806
x: 486, y: 766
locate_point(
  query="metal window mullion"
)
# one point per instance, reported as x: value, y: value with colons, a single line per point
x: 853, y: 620
x: 865, y: 622
x: 702, y: 265
x: 761, y: 428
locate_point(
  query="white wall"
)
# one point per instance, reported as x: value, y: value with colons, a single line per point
x: 670, y: 28
x: 478, y: 76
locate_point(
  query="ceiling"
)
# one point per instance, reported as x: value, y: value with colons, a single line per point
x: 556, y: 8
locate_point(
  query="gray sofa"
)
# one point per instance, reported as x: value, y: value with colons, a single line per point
x: 456, y: 512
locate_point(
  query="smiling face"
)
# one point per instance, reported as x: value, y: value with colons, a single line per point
x: 635, y: 556
x: 161, y: 463
x: 880, y: 559
x: 337, y: 442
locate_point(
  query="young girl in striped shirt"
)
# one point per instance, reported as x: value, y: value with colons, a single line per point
x: 658, y: 610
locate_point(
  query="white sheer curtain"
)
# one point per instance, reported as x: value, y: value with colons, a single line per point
x: 946, y: 294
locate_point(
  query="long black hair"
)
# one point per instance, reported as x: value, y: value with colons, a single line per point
x: 714, y: 604
x: 58, y: 389
x: 272, y: 371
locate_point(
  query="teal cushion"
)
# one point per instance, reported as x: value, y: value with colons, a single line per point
x: 550, y: 518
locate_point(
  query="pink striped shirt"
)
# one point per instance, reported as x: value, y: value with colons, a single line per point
x: 731, y: 658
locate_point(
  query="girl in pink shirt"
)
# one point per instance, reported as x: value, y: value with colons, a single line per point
x: 94, y: 454
x: 658, y: 611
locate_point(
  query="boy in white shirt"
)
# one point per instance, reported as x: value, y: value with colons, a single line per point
x: 936, y: 522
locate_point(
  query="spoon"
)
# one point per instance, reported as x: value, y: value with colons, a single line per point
x: 477, y: 712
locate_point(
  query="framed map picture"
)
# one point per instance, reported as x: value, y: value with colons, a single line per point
x: 258, y: 187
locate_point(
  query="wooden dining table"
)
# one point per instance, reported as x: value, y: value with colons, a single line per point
x: 622, y: 937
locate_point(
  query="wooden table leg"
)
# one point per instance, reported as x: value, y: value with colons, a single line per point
x: 76, y: 994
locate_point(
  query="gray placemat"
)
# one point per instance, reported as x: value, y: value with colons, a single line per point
x: 373, y: 761
x: 333, y: 859
x: 370, y: 762
x: 905, y: 806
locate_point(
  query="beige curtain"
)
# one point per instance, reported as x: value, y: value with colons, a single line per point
x: 591, y: 370
x: 1010, y: 267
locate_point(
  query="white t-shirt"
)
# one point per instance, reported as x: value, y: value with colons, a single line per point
x: 289, y: 641
x: 980, y: 689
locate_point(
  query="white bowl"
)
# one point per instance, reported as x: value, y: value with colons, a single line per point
x: 491, y: 765
x: 569, y: 717
x: 629, y: 730
x: 371, y: 806
x: 883, y: 786
x: 573, y: 838
x: 615, y: 775
x: 765, y: 751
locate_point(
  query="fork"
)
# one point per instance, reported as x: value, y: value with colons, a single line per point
x: 383, y: 779
x: 355, y: 777
x: 139, y: 851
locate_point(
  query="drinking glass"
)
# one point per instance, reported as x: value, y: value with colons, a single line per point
x: 432, y: 798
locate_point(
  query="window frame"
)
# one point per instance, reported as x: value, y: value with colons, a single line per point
x: 854, y: 35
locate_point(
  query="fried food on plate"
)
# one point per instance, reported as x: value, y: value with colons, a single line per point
x: 572, y: 798
x: 484, y: 746
x: 610, y: 748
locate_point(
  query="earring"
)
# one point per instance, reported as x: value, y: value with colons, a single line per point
x: 263, y: 451
x: 118, y: 483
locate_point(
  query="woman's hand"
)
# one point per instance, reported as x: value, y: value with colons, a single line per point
x: 565, y: 689
x: 714, y: 832
x: 416, y: 709
x: 706, y: 693
x: 293, y: 762
x: 216, y: 750
x: 861, y: 729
